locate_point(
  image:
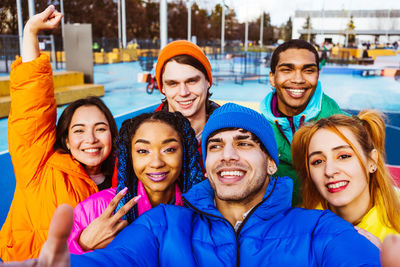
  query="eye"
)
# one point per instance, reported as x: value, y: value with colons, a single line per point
x: 142, y: 151
x: 170, y: 150
x: 171, y: 83
x: 101, y: 129
x: 77, y: 131
x: 245, y: 144
x: 192, y: 81
x: 316, y: 162
x: 309, y: 71
x: 285, y: 70
x: 344, y: 156
x: 213, y: 147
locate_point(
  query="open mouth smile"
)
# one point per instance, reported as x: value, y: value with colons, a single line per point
x: 337, y: 186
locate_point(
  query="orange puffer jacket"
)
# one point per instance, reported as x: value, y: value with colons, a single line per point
x: 44, y: 178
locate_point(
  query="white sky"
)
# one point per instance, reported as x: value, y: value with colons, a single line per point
x: 281, y: 10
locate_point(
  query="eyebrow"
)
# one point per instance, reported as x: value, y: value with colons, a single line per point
x: 83, y: 125
x: 195, y: 78
x: 333, y: 149
x: 241, y: 137
x: 166, y: 141
x: 290, y: 65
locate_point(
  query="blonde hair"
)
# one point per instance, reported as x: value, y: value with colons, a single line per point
x: 369, y: 129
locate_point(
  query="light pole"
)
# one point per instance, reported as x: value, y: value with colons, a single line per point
x: 223, y: 28
x: 20, y: 25
x: 123, y: 21
x: 189, y: 27
x: 31, y: 7
x: 163, y: 23
x: 261, y: 29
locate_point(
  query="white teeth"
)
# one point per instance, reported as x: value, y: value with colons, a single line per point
x: 91, y: 150
x: 296, y: 91
x: 337, y: 185
x: 186, y: 102
x: 232, y: 173
x: 157, y: 175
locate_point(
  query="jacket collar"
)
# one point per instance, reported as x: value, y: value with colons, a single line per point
x: 310, y: 112
x: 277, y: 197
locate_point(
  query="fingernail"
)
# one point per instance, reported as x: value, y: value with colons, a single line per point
x: 123, y: 191
x: 137, y: 198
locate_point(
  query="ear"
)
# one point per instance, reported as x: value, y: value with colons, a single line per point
x: 206, y: 175
x: 67, y: 143
x: 271, y: 168
x: 272, y: 79
x: 372, y: 160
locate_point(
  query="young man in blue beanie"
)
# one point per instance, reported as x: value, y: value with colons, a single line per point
x: 240, y: 216
x: 296, y: 97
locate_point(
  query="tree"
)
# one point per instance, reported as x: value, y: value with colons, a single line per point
x: 308, y: 28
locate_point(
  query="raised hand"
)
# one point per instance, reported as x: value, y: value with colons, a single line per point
x: 101, y: 231
x: 55, y: 251
x: 46, y: 20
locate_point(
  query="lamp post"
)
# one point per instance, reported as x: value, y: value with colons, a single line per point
x: 189, y: 27
x: 261, y: 29
x: 223, y: 28
x: 163, y: 23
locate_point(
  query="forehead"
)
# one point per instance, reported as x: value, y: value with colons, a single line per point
x: 155, y: 131
x: 327, y: 139
x: 88, y: 114
x: 297, y: 57
x: 177, y: 71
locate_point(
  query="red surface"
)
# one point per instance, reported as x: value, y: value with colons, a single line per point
x: 395, y: 171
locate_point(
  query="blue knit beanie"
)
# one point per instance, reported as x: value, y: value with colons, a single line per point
x: 232, y: 115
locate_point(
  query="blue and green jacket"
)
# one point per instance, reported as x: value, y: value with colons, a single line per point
x: 320, y: 106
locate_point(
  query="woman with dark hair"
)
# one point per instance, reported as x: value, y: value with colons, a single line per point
x: 52, y: 165
x: 157, y: 161
x: 341, y: 162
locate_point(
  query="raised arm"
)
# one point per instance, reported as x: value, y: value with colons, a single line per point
x: 32, y: 119
x: 47, y: 20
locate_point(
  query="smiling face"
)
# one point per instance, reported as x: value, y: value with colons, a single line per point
x: 185, y: 88
x: 295, y: 79
x: 336, y: 170
x: 157, y: 157
x: 89, y: 138
x: 237, y: 167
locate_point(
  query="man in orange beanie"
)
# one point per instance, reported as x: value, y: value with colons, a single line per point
x: 184, y: 76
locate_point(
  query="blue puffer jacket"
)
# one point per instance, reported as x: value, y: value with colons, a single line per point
x: 273, y: 234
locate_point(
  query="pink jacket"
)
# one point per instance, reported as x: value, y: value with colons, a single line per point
x: 92, y: 207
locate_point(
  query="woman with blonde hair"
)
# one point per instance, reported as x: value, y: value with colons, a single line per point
x: 341, y: 161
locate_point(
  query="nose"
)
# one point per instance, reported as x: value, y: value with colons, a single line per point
x: 330, y: 168
x: 91, y: 137
x: 156, y: 160
x: 298, y: 77
x: 230, y: 153
x: 183, y: 90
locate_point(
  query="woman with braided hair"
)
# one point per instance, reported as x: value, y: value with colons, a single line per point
x: 341, y: 161
x: 157, y: 161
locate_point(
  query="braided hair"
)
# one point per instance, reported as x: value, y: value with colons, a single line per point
x: 191, y: 173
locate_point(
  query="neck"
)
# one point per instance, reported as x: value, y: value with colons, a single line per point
x: 354, y: 211
x: 93, y: 170
x: 161, y: 197
x: 289, y: 111
x: 198, y: 121
x: 233, y: 211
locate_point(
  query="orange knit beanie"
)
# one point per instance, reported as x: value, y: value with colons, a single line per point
x: 181, y: 47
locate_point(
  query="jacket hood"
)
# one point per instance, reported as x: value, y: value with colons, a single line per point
x: 277, y: 197
x: 310, y: 112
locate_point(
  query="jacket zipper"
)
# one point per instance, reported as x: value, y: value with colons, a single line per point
x: 241, y: 225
